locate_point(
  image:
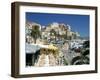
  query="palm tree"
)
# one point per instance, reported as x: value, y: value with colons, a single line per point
x: 35, y: 33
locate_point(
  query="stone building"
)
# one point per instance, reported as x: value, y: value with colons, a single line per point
x: 54, y: 31
x: 59, y: 31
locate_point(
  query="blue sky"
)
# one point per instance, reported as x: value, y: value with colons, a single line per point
x: 79, y: 23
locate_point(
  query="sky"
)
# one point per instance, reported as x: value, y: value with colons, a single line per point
x: 79, y: 23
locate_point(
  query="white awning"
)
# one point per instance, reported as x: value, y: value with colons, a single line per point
x: 29, y: 48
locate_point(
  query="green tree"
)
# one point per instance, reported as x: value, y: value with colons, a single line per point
x: 35, y: 33
x: 65, y: 61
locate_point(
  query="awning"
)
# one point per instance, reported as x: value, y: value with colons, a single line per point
x: 30, y: 48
